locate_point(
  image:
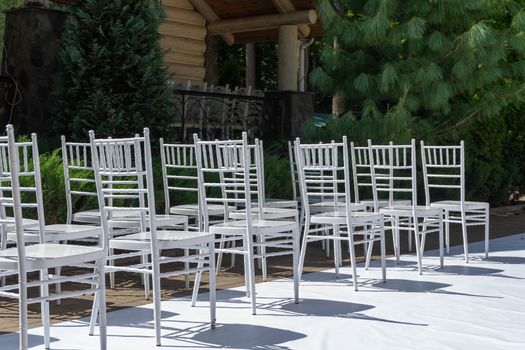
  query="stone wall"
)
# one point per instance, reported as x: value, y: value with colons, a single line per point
x: 32, y: 41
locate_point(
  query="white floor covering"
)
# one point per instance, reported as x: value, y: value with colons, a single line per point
x: 479, y: 305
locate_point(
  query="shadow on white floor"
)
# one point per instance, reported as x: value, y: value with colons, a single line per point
x: 479, y: 305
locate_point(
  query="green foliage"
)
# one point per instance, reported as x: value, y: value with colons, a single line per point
x: 113, y: 76
x: 437, y: 61
x: 494, y: 155
x: 278, y: 181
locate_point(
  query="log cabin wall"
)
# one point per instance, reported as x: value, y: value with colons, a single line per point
x: 183, y: 37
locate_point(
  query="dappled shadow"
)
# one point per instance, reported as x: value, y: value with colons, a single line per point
x: 410, y: 286
x: 243, y: 336
x: 326, y: 308
x: 11, y: 341
x: 514, y: 260
x: 137, y: 317
x: 469, y: 270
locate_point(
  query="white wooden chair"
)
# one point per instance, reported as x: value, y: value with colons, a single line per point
x: 394, y: 173
x: 39, y: 257
x: 362, y: 180
x: 444, y: 168
x: 79, y: 182
x: 179, y: 174
x: 218, y: 163
x: 324, y: 171
x: 124, y: 178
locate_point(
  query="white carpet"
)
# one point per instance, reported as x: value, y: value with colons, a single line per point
x: 480, y: 305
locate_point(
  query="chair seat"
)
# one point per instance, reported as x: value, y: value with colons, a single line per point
x: 93, y: 216
x: 259, y: 227
x: 49, y: 255
x: 166, y: 239
x: 281, y: 203
x: 160, y: 220
x: 268, y: 213
x: 456, y: 205
x: 193, y: 209
x: 59, y: 232
x: 328, y: 205
x: 384, y: 203
x: 406, y: 211
x: 26, y: 223
x: 339, y: 217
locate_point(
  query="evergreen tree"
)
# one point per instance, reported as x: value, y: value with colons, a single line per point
x: 420, y: 67
x: 113, y: 77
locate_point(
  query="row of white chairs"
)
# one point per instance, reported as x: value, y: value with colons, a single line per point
x: 231, y: 214
x: 130, y: 230
x: 387, y: 174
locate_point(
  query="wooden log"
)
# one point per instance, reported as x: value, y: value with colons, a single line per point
x: 251, y: 23
x: 182, y: 70
x: 173, y: 56
x: 178, y: 15
x: 285, y: 6
x: 181, y: 4
x: 182, y: 30
x: 207, y: 12
x: 183, y: 44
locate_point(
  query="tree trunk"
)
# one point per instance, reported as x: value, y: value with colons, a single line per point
x: 212, y: 60
x: 250, y: 65
x: 338, y: 100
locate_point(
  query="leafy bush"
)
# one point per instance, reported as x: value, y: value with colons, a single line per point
x: 113, y: 78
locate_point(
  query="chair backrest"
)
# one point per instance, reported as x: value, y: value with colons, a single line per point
x: 124, y: 180
x: 443, y: 168
x: 361, y: 170
x: 224, y: 175
x: 78, y: 173
x: 10, y: 195
x: 293, y: 171
x: 393, y: 169
x: 324, y: 172
x: 27, y: 157
x: 179, y: 171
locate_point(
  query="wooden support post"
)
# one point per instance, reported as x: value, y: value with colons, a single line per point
x: 288, y: 60
x: 250, y: 65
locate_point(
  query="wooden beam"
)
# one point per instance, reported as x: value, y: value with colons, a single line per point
x: 207, y: 12
x: 251, y: 23
x: 286, y: 6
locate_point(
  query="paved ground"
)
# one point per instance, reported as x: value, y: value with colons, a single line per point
x: 129, y: 292
x: 480, y: 305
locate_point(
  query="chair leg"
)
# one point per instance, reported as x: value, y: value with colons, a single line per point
x: 44, y: 292
x: 145, y: 277
x: 263, y: 261
x: 102, y: 304
x: 251, y: 271
x: 156, y: 296
x: 186, y: 267
x: 447, y: 231
x: 213, y: 287
x: 464, y: 232
x: 296, y: 236
x: 111, y: 273
x: 352, y: 256
x: 487, y: 233
x: 303, y: 250
x: 441, y: 250
x: 58, y: 286
x: 22, y: 304
x: 337, y: 246
x: 395, y: 225
x: 369, y: 249
x: 94, y: 314
x: 232, y: 256
x: 220, y: 254
x: 418, y: 246
x: 383, y: 250
x: 196, y: 286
